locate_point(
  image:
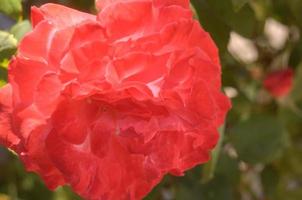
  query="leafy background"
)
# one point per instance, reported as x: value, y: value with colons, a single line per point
x: 260, y: 153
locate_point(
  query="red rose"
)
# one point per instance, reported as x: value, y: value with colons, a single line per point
x: 111, y: 103
x: 279, y: 83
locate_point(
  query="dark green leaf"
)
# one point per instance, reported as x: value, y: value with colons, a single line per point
x: 270, y: 179
x: 296, y: 7
x: 238, y: 4
x: 228, y: 168
x: 213, y: 24
x: 218, y: 189
x: 296, y: 93
x: 185, y: 192
x: 291, y: 116
x: 259, y: 139
x: 219, y: 18
x: 242, y: 22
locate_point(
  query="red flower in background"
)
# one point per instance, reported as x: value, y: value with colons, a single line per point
x: 279, y: 83
x: 111, y: 103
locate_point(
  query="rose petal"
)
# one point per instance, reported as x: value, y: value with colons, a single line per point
x: 60, y: 16
x: 34, y: 47
x: 7, y: 136
x: 24, y: 75
x: 129, y: 16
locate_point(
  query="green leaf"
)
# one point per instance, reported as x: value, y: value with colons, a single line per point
x: 289, y: 187
x: 212, y: 24
x: 296, y: 93
x: 218, y: 189
x: 260, y: 139
x: 238, y: 4
x: 155, y: 194
x: 7, y: 41
x: 20, y: 29
x: 185, y: 192
x: 295, y: 56
x: 243, y: 22
x: 210, y: 167
x: 261, y: 8
x: 292, y: 160
x: 296, y: 7
x: 282, y: 11
x: 65, y: 193
x: 270, y: 179
x: 12, y: 8
x: 3, y: 76
x: 219, y: 19
x: 8, y: 45
x: 227, y: 167
x: 292, y: 118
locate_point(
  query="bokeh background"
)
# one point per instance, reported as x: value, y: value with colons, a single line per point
x: 259, y: 156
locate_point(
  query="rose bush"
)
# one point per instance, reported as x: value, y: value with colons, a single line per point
x: 279, y: 83
x: 111, y: 103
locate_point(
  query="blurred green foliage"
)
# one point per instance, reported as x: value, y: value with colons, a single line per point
x: 260, y: 155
